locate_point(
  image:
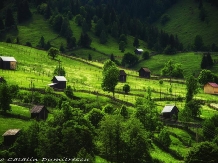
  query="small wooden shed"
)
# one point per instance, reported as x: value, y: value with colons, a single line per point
x: 8, y: 63
x: 39, y: 112
x: 58, y: 82
x: 122, y: 77
x: 10, y: 136
x: 144, y: 72
x: 211, y: 88
x: 170, y: 111
x: 138, y: 51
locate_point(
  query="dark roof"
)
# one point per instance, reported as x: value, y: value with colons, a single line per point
x: 168, y: 108
x: 4, y: 58
x: 122, y: 72
x: 60, y: 78
x: 11, y: 132
x: 37, y: 108
x: 213, y: 85
x: 145, y: 69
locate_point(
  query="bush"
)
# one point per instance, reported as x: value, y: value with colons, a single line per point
x: 28, y: 44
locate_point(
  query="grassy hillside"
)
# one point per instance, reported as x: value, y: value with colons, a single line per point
x: 85, y: 77
x: 185, y: 22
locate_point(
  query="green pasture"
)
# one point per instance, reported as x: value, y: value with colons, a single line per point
x: 185, y: 22
x: 157, y: 153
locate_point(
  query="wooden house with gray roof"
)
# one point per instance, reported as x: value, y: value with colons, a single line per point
x: 144, y: 72
x: 122, y: 76
x: 39, y: 112
x: 8, y: 63
x: 10, y: 136
x: 170, y: 111
x: 58, y: 82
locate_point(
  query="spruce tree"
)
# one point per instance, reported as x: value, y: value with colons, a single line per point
x: 9, y: 19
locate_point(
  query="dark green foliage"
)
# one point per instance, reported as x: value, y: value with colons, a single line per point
x: 84, y: 41
x: 205, y: 76
x: 126, y: 88
x: 23, y: 11
x: 169, y: 50
x: 147, y: 113
x: 71, y: 42
x: 164, y: 138
x: 122, y: 46
x: 8, y: 40
x: 136, y: 42
x: 192, y: 88
x: 108, y: 109
x: 208, y: 129
x: 28, y: 44
x: 112, y: 57
x: 198, y: 43
x: 123, y: 141
x: 47, y: 13
x: 203, y: 152
x: 56, y: 22
x: 99, y: 27
x: 47, y: 45
x: 50, y: 100
x: 202, y: 14
x: 206, y: 61
x: 85, y: 27
x: 69, y: 91
x: 95, y: 116
x: 53, y: 52
x: 59, y: 71
x: 110, y: 79
x: 79, y: 19
x: 145, y: 55
x: 2, y: 25
x: 65, y: 28
x: 194, y: 108
x: 103, y: 37
x: 5, y: 98
x: 42, y: 42
x: 90, y: 57
x: 62, y: 49
x: 9, y: 19
x: 124, y: 111
x: 172, y: 70
x: 164, y: 19
x: 123, y: 38
x: 129, y: 59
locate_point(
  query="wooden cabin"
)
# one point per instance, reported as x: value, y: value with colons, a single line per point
x: 138, y: 51
x: 122, y: 76
x: 10, y: 136
x: 144, y: 72
x: 39, y: 112
x: 211, y: 88
x: 8, y: 63
x: 58, y: 82
x: 169, y: 112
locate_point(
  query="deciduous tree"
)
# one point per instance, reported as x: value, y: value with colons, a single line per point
x: 53, y: 52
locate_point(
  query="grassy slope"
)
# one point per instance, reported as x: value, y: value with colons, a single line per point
x: 185, y: 22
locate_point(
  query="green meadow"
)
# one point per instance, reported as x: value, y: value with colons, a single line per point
x: 185, y: 22
x: 85, y: 77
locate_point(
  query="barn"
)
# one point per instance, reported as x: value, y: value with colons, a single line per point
x: 8, y: 63
x: 58, y: 82
x: 10, y: 136
x: 122, y: 76
x: 144, y: 72
x: 39, y: 112
x: 211, y: 88
x: 170, y: 111
x: 138, y: 51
